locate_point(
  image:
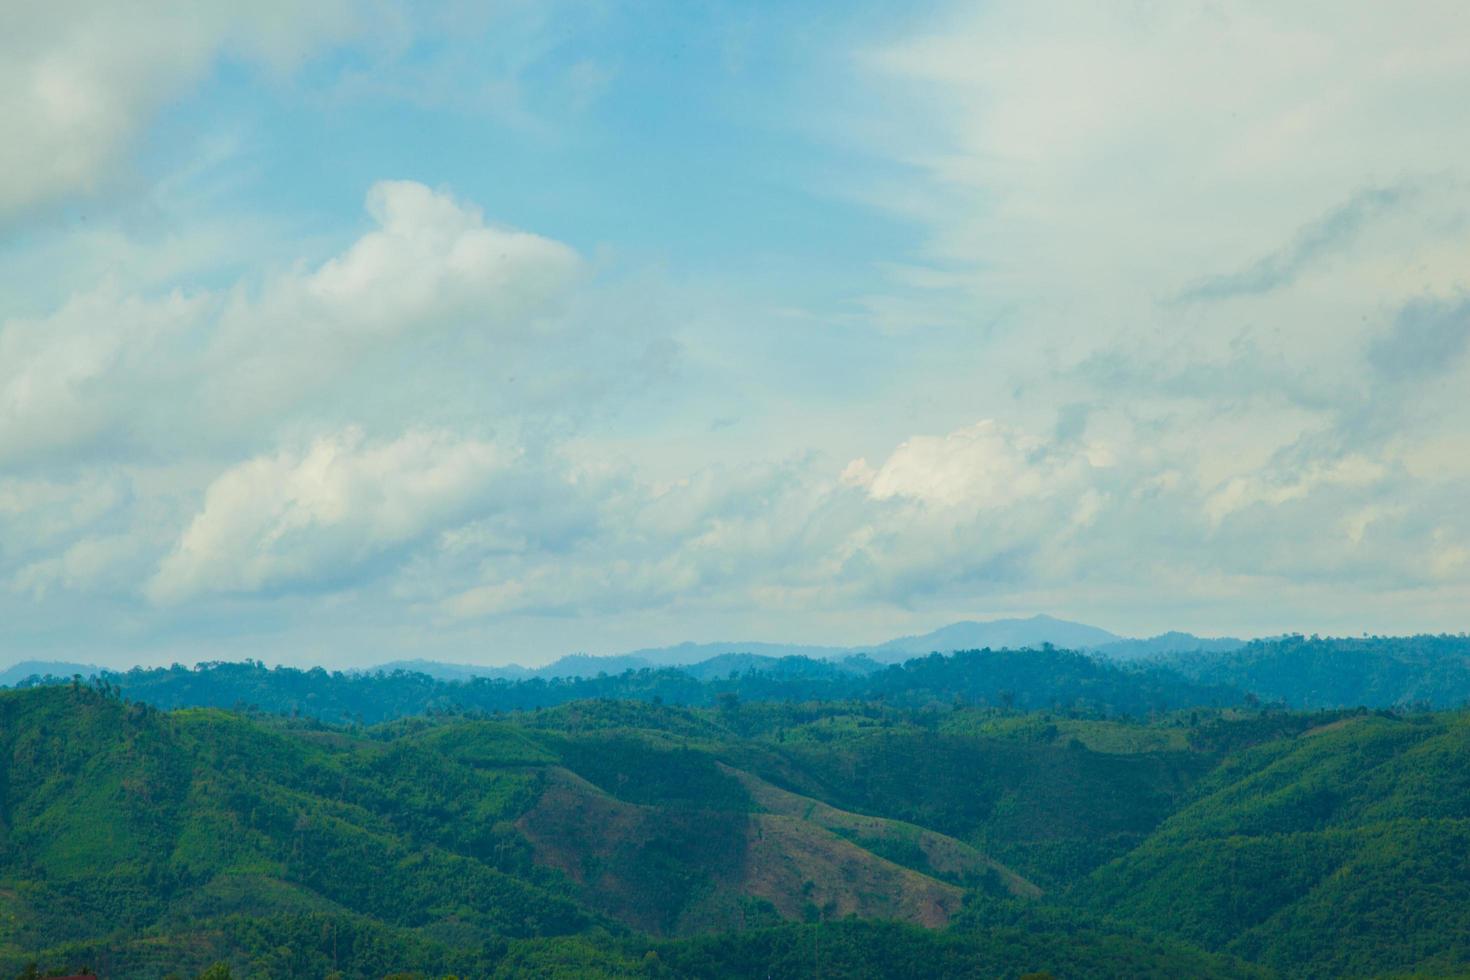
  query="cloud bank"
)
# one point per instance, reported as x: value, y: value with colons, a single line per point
x: 1151, y: 315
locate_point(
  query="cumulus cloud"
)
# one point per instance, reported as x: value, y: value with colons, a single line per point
x: 711, y: 537
x: 1188, y: 319
x: 980, y: 516
x: 37, y: 512
x: 432, y: 266
x: 107, y: 564
x: 314, y: 518
x: 983, y: 508
x: 69, y: 378
x: 431, y: 258
x: 111, y: 372
x: 96, y: 529
x: 78, y: 81
x: 1236, y: 236
x: 982, y: 467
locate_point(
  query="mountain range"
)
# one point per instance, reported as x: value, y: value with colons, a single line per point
x: 998, y: 634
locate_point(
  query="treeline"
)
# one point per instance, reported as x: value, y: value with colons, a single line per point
x: 1418, y: 672
x: 1049, y: 679
x: 1303, y: 673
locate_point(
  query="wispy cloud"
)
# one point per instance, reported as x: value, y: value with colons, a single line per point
x: 795, y: 332
x: 1313, y: 243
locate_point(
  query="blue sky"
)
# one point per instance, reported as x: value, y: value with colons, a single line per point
x: 496, y: 331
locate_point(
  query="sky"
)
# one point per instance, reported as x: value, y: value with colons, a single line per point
x: 359, y: 330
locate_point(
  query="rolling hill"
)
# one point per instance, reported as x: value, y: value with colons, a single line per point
x: 1307, y: 853
x: 595, y: 834
x: 915, y: 824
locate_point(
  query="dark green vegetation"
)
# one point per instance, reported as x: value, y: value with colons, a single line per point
x: 1355, y: 834
x: 1424, y: 672
x: 959, y: 817
x: 1022, y: 678
x: 1420, y: 672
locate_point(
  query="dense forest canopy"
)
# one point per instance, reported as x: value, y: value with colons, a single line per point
x: 1294, y: 672
x: 986, y: 813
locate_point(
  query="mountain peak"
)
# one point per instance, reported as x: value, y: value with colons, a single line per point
x: 1031, y: 631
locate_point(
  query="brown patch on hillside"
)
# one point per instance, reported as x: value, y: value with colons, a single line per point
x: 675, y: 872
x: 945, y: 856
x: 801, y: 868
x: 574, y: 824
x: 654, y: 868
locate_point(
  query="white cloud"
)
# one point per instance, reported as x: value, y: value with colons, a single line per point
x: 985, y: 505
x: 983, y: 467
x: 1235, y: 235
x: 432, y: 258
x: 88, y: 530
x: 85, y: 566
x: 1276, y: 489
x: 1295, y: 171
x: 309, y: 519
x: 68, y: 378
x: 78, y: 81
x: 35, y: 513
x: 1199, y: 271
x: 980, y: 517
x: 111, y: 372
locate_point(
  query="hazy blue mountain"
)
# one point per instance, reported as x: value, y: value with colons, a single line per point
x: 966, y: 635
x: 1167, y: 643
x: 452, y: 672
x: 739, y: 663
x: 40, y: 668
x: 997, y: 634
x: 694, y: 653
x: 589, y: 665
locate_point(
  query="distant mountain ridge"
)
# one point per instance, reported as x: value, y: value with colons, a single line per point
x: 1166, y: 644
x: 26, y: 669
x: 1013, y: 634
x: 997, y: 634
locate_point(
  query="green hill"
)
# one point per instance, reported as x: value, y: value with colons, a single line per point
x: 1426, y: 671
x: 140, y: 841
x: 1028, y: 679
x: 623, y: 838
x: 1344, y: 850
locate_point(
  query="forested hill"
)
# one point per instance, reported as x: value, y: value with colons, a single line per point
x: 748, y: 839
x: 1024, y: 679
x: 1425, y: 672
